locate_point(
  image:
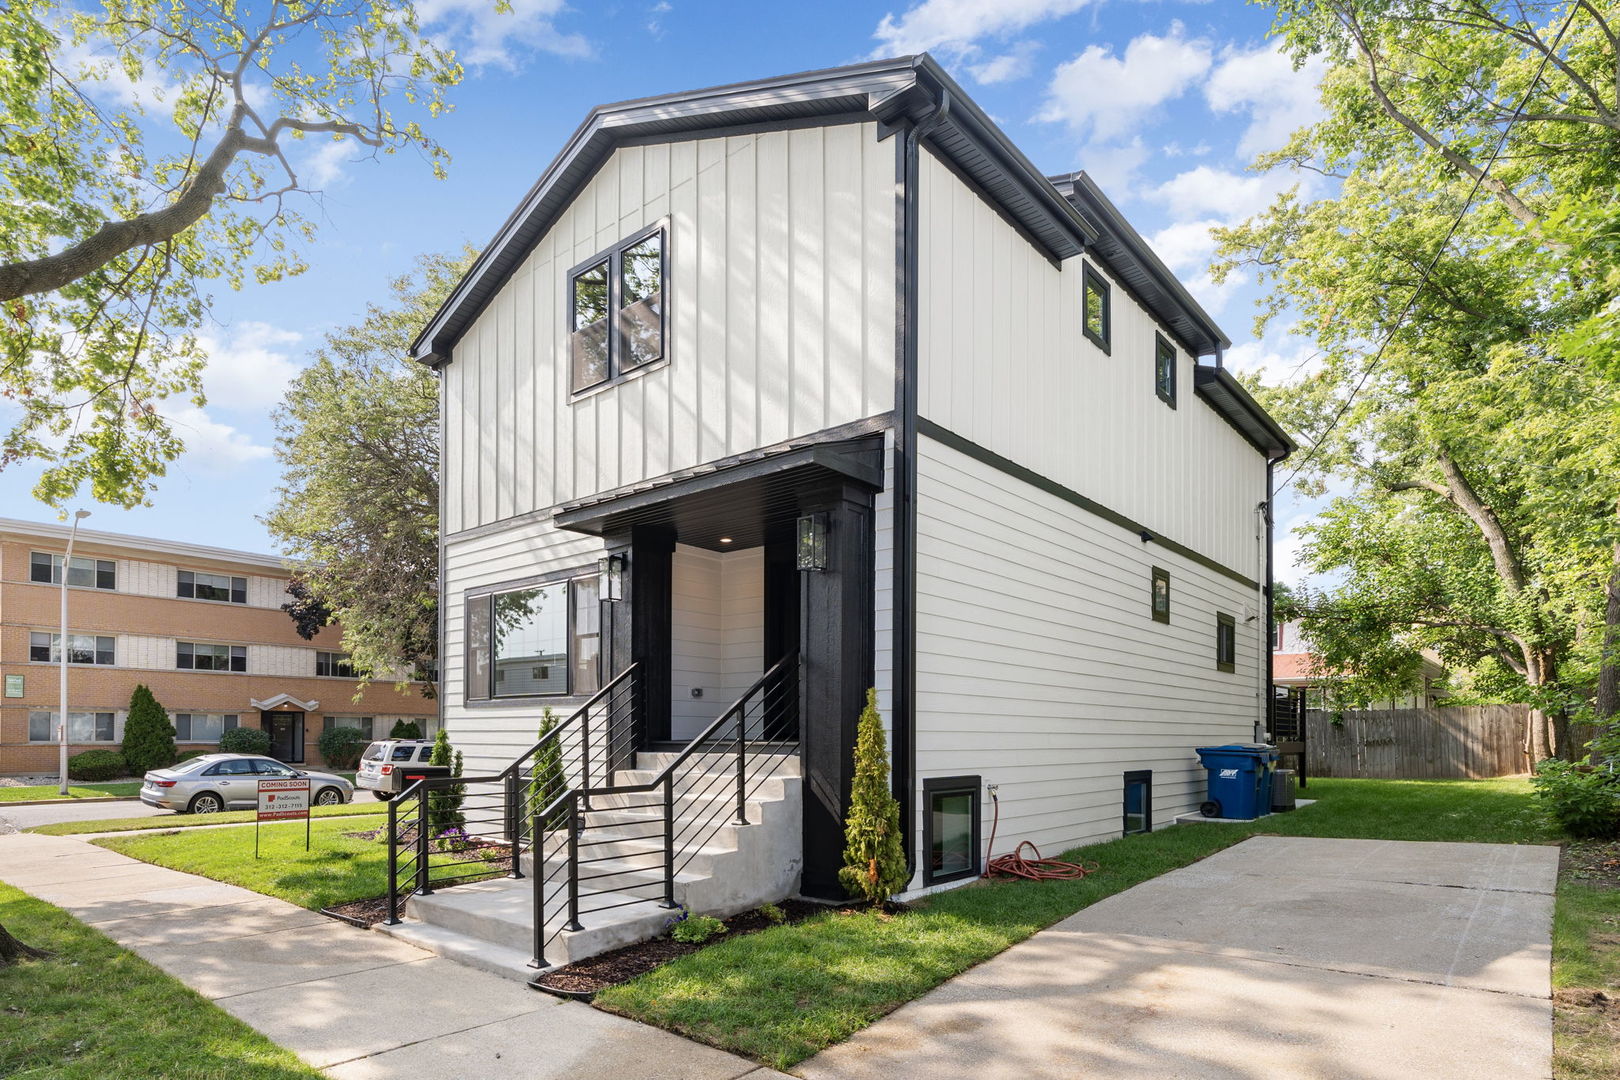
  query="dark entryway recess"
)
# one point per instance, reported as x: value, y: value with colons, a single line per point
x: 286, y: 730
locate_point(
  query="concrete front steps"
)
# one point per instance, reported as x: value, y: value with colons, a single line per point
x: 489, y: 924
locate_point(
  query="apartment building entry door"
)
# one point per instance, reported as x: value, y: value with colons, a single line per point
x: 286, y: 735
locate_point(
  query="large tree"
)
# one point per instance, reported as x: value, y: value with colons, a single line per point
x: 148, y: 149
x: 1456, y: 283
x: 358, y: 507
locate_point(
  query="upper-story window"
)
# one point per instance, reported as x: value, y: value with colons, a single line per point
x: 616, y: 310
x: 334, y: 664
x: 535, y: 642
x: 1095, y: 319
x: 83, y: 572
x: 82, y: 648
x: 198, y: 656
x: 196, y: 585
x: 1164, y: 370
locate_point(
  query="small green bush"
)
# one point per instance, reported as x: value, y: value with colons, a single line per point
x: 772, y: 914
x: 342, y: 746
x: 1583, y: 799
x: 245, y: 740
x: 874, y: 860
x: 696, y: 929
x: 405, y: 729
x: 97, y: 765
x: 148, y: 735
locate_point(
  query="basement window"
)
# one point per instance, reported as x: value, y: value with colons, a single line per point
x: 1095, y: 320
x: 950, y: 828
x: 616, y: 310
x: 1225, y: 642
x: 1138, y: 801
x: 1164, y: 370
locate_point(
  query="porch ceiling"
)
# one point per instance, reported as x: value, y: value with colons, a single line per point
x: 744, y: 499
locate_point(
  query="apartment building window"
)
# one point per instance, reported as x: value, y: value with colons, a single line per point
x: 1225, y: 642
x: 203, y: 727
x: 45, y: 647
x: 196, y: 585
x: 1164, y: 370
x: 1095, y: 320
x: 616, y: 310
x: 84, y: 573
x: 83, y: 727
x: 335, y: 665
x: 366, y: 725
x: 543, y: 641
x: 197, y: 656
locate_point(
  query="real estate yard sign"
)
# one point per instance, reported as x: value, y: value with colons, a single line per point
x: 282, y: 800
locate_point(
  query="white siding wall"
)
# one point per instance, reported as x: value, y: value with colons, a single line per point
x: 1003, y: 363
x: 1045, y: 673
x: 718, y: 632
x: 781, y: 321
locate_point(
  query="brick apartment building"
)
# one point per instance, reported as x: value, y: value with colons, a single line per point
x: 201, y: 626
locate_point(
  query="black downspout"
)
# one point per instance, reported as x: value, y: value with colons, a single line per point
x: 904, y: 665
x: 1271, y: 594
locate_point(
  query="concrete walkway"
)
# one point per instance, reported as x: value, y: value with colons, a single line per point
x: 1354, y: 959
x: 357, y: 1004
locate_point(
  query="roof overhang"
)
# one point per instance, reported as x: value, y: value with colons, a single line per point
x: 1222, y: 391
x: 285, y: 703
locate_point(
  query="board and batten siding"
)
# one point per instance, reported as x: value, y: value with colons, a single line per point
x: 1002, y: 361
x: 1041, y: 669
x: 780, y: 306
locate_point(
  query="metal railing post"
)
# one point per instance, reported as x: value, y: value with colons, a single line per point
x: 424, y: 883
x: 573, y: 864
x: 538, y: 875
x: 742, y: 763
x: 669, y: 842
x: 585, y: 750
x: 512, y: 816
x: 393, y: 864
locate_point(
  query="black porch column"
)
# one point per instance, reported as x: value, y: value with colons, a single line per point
x: 835, y: 643
x: 641, y: 624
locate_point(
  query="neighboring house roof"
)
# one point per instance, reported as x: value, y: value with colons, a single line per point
x: 1066, y: 219
x: 142, y: 544
x: 1299, y: 669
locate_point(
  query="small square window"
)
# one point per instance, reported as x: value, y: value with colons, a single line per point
x: 1164, y: 370
x: 1139, y: 801
x: 950, y: 828
x: 1161, y: 595
x: 1225, y: 642
x: 1095, y: 319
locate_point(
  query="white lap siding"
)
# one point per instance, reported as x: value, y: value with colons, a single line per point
x: 1040, y: 667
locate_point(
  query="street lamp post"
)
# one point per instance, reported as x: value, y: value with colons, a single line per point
x: 62, y: 657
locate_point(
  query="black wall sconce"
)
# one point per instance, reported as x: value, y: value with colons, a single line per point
x: 813, y: 542
x: 610, y: 577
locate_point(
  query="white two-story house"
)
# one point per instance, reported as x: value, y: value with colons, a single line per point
x: 778, y: 391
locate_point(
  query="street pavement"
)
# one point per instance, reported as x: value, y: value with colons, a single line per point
x: 26, y: 817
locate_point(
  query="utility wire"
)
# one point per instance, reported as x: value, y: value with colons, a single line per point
x: 1518, y: 114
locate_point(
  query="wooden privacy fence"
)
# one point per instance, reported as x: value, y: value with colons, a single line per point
x: 1457, y: 743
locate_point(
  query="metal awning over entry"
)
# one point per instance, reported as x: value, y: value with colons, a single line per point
x: 738, y: 499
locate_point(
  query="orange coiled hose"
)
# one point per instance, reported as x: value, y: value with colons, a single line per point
x: 1034, y: 868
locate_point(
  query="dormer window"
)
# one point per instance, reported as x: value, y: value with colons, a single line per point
x: 616, y: 311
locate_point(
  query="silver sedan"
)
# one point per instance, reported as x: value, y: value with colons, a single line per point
x: 215, y: 782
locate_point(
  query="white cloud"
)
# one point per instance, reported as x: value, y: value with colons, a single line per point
x: 1285, y: 356
x: 211, y: 445
x: 1014, y: 64
x: 1109, y: 96
x: 1263, y: 83
x: 1203, y: 191
x: 655, y: 17
x: 1185, y: 245
x: 102, y: 76
x: 953, y: 26
x: 1114, y: 166
x: 485, y: 37
x: 249, y: 369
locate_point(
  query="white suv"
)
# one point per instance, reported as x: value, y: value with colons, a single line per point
x: 388, y: 767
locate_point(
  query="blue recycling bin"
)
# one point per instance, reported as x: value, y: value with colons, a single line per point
x: 1239, y: 780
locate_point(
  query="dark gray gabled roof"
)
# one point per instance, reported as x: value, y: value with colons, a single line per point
x: 890, y: 91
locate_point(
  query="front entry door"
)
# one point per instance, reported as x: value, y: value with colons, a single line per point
x: 286, y: 735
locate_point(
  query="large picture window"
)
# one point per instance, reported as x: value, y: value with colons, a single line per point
x: 82, y: 648
x: 950, y: 828
x: 203, y: 727
x: 540, y: 641
x: 196, y: 585
x: 197, y: 656
x: 83, y: 573
x: 616, y: 310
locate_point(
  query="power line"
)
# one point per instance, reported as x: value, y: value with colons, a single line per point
x: 1445, y: 243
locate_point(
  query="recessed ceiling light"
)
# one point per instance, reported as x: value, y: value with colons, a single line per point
x: 725, y: 539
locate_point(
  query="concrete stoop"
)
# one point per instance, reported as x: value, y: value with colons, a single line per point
x: 490, y: 924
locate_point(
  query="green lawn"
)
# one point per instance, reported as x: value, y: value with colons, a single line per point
x: 781, y: 995
x: 96, y: 1010
x: 185, y: 821
x: 335, y: 870
x: 33, y: 792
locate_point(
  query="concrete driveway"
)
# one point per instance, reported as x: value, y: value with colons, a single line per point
x: 1278, y: 957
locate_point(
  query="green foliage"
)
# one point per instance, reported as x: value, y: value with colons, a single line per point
x: 357, y: 438
x: 405, y: 729
x: 771, y: 913
x: 1585, y: 801
x: 244, y: 740
x: 696, y: 929
x: 444, y: 804
x: 150, y: 150
x: 148, y: 735
x: 97, y: 765
x: 546, y: 777
x: 874, y: 860
x: 341, y: 747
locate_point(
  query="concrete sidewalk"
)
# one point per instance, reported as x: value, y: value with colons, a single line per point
x: 357, y: 1004
x: 1279, y: 956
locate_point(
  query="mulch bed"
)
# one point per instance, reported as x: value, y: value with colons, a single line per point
x: 366, y: 913
x: 621, y: 965
x: 1593, y: 862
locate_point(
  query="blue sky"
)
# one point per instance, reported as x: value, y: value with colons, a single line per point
x: 1166, y: 103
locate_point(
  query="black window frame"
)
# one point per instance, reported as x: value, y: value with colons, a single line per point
x: 185, y: 587
x: 185, y: 657
x: 616, y: 370
x: 1159, y: 574
x: 335, y: 664
x: 1225, y: 642
x: 480, y: 610
x: 1165, y: 361
x: 951, y: 785
x: 104, y: 571
x: 1090, y: 279
x: 1136, y: 776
